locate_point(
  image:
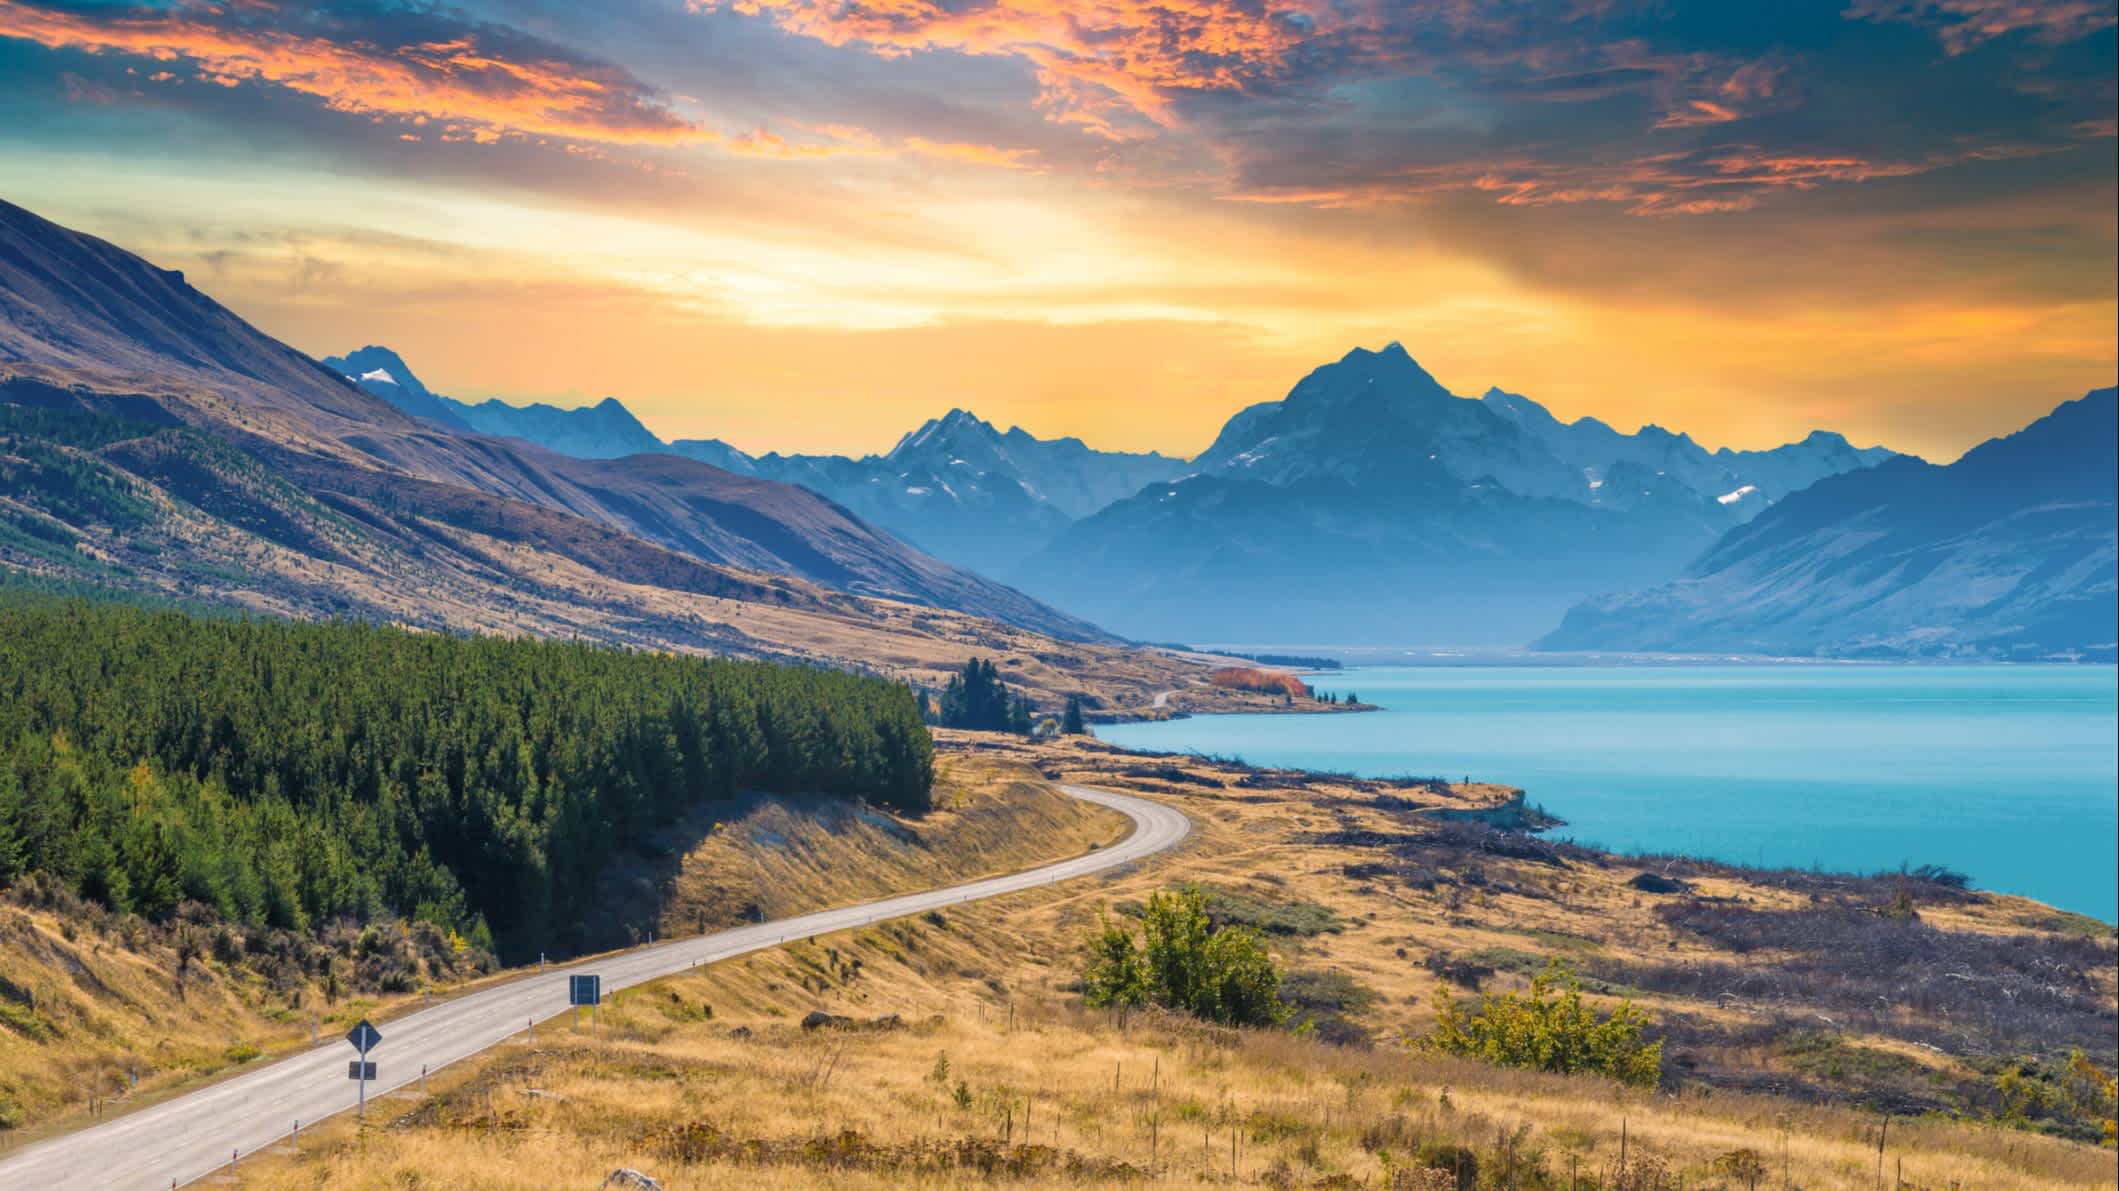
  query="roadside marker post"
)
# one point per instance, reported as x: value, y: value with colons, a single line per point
x: 364, y: 1038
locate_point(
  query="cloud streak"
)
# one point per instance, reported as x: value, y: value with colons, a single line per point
x: 1965, y: 25
x: 1110, y: 68
x: 420, y: 69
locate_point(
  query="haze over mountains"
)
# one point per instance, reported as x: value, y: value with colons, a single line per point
x: 2010, y: 552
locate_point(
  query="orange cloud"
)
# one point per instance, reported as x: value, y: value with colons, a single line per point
x: 846, y: 140
x: 1713, y: 181
x: 1699, y: 111
x: 1013, y: 159
x: 450, y: 80
x: 1109, y: 67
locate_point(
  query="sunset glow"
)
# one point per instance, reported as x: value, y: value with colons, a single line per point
x: 810, y: 225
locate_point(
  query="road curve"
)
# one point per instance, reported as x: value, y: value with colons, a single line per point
x: 190, y: 1136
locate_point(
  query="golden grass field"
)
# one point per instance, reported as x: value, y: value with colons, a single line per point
x: 93, y: 1000
x: 988, y: 1070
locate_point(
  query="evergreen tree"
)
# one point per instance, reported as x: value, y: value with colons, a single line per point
x: 1071, y: 720
x: 12, y: 853
x: 977, y: 699
x: 292, y: 773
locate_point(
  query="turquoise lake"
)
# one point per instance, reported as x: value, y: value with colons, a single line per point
x: 2007, y: 773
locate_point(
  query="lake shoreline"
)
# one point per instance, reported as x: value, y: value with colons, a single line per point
x: 2000, y: 771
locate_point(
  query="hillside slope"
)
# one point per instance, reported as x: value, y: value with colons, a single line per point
x: 2007, y: 553
x: 85, y: 324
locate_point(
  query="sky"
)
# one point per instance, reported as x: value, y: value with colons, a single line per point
x: 812, y: 224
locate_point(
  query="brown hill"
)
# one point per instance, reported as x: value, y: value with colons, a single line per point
x: 86, y: 324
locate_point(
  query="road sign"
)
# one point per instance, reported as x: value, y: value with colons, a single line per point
x: 584, y: 990
x: 364, y: 1037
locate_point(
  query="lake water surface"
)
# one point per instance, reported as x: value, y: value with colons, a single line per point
x: 2007, y: 773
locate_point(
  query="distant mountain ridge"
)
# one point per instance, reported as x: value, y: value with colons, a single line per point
x: 1373, y: 413
x: 606, y: 430
x: 1371, y: 505
x: 957, y: 487
x: 1026, y: 510
x: 2011, y: 553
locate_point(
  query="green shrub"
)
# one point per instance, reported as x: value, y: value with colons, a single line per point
x: 1228, y: 907
x: 1549, y: 1028
x: 1183, y: 962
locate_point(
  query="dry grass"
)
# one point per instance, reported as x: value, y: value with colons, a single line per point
x: 707, y: 1081
x: 990, y: 817
x: 89, y: 1000
x: 1055, y: 1097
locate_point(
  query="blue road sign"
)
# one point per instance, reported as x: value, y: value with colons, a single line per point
x: 364, y: 1037
x: 356, y: 1069
x: 584, y: 990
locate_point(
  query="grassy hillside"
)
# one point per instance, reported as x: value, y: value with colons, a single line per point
x: 966, y: 1058
x: 89, y: 999
x: 143, y: 509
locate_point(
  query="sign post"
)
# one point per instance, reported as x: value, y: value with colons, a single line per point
x: 364, y: 1038
x: 585, y: 990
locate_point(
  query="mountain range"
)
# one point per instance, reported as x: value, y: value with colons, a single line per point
x: 1369, y: 470
x: 605, y: 430
x: 151, y: 438
x: 2007, y: 553
x: 1373, y: 506
x: 154, y: 439
x: 957, y: 487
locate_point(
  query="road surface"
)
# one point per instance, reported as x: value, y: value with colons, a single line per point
x: 194, y: 1135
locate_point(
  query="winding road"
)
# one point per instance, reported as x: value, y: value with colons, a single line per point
x: 188, y: 1137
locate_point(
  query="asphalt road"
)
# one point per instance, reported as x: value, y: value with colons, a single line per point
x: 194, y: 1135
